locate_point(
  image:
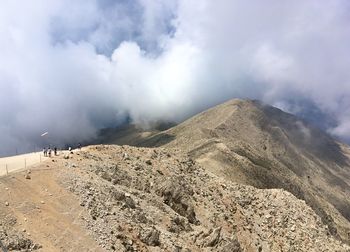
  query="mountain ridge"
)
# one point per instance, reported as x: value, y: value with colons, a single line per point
x: 241, y: 176
x: 256, y: 144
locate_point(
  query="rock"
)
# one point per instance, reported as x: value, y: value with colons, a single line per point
x: 174, y: 196
x: 66, y: 156
x: 117, y: 195
x: 179, y: 224
x: 27, y: 176
x: 126, y: 156
x: 213, y: 238
x: 7, y: 204
x: 22, y: 244
x: 149, y: 162
x: 232, y: 246
x: 129, y: 203
x: 150, y: 236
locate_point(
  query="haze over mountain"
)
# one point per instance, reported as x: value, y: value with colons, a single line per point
x: 73, y: 67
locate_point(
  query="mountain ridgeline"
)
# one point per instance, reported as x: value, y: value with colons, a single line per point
x: 255, y: 144
x: 241, y: 176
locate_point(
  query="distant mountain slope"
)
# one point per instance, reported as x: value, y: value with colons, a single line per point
x: 252, y: 143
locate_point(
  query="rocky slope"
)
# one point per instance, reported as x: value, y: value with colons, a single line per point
x: 150, y: 199
x: 255, y: 144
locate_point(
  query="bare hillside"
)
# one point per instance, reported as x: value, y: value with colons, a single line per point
x: 255, y: 144
x: 121, y: 198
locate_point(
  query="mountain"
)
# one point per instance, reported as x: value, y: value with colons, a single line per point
x: 255, y: 144
x: 242, y: 176
x: 122, y: 198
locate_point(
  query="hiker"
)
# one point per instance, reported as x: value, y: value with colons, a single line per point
x: 79, y: 146
x: 49, y: 151
x: 45, y: 152
x: 55, y: 151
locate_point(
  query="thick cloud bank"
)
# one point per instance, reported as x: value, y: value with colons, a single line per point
x: 72, y: 67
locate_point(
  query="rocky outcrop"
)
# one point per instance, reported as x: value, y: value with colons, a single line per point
x: 177, y: 196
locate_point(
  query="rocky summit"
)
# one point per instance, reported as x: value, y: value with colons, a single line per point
x: 212, y: 190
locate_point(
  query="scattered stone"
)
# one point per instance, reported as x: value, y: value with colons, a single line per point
x: 150, y: 236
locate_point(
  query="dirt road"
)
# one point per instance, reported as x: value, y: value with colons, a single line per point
x: 20, y: 162
x: 45, y: 211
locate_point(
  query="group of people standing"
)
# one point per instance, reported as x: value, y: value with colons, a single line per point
x: 48, y: 151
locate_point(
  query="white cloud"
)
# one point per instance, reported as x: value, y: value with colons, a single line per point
x: 73, y: 67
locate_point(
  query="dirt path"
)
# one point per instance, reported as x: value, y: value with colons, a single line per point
x: 45, y: 211
x: 20, y: 162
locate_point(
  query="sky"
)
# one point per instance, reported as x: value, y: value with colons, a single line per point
x: 74, y: 67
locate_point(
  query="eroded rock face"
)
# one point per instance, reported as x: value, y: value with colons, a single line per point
x: 177, y: 196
